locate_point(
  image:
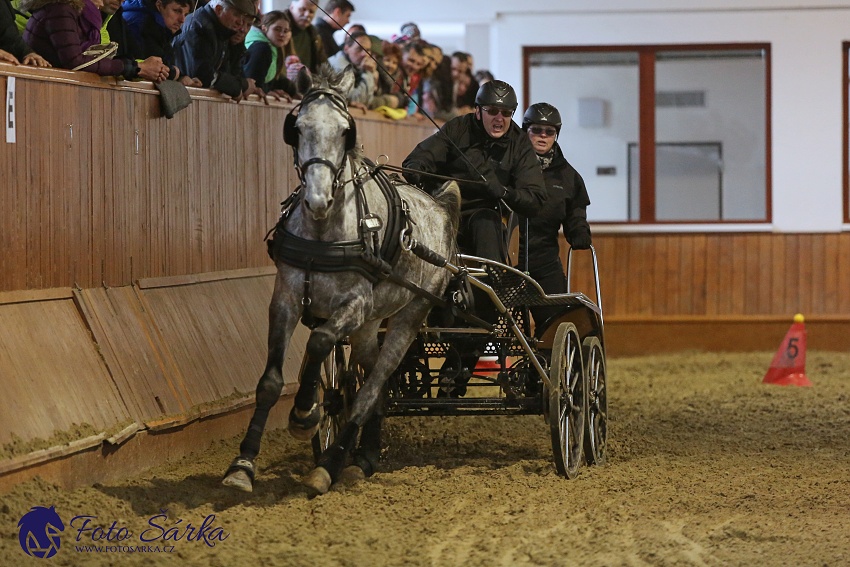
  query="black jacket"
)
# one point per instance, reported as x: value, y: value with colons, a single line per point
x: 202, y: 50
x: 10, y: 37
x: 511, y: 157
x: 150, y: 37
x: 120, y: 33
x: 565, y: 206
x: 326, y: 32
x: 256, y: 65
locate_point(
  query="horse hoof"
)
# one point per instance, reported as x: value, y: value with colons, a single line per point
x: 351, y: 474
x: 318, y: 481
x: 239, y: 480
x: 303, y: 425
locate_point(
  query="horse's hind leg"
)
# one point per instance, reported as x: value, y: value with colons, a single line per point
x: 282, y: 321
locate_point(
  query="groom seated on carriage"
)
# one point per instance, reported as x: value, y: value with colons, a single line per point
x: 497, y: 169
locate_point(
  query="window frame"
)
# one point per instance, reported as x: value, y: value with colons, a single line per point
x: 845, y: 137
x: 646, y: 119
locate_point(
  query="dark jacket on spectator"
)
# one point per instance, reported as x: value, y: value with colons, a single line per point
x: 201, y: 50
x: 150, y: 37
x: 264, y: 62
x: 326, y: 32
x: 308, y: 46
x: 510, y: 157
x: 10, y: 39
x: 56, y: 33
x: 119, y: 32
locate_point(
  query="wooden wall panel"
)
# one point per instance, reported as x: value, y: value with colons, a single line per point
x: 108, y: 191
x: 139, y: 362
x: 721, y: 275
x: 51, y: 373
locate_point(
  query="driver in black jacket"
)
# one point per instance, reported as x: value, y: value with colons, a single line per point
x: 499, y: 159
x: 565, y: 207
x: 504, y: 170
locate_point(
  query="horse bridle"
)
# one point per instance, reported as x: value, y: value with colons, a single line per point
x: 336, y: 170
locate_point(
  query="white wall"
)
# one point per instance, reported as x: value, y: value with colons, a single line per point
x: 806, y: 67
x: 805, y: 88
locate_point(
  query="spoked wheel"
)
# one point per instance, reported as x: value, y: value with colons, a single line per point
x: 337, y: 386
x: 567, y: 400
x: 596, y: 430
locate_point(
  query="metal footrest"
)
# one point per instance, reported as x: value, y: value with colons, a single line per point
x: 463, y: 406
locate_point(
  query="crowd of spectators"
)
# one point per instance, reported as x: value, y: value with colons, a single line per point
x: 229, y: 46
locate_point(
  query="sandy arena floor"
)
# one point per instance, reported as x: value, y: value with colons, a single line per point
x: 707, y: 466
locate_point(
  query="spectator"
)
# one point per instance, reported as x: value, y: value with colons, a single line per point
x: 464, y: 85
x: 483, y: 76
x: 412, y: 63
x: 203, y: 48
x: 335, y: 17
x: 305, y: 38
x: 565, y: 207
x: 391, y: 76
x: 356, y: 52
x: 268, y: 47
x: 13, y: 48
x: 153, y: 24
x: 115, y: 29
x: 437, y: 89
x: 21, y: 16
x: 356, y: 28
x: 409, y: 32
x: 61, y: 30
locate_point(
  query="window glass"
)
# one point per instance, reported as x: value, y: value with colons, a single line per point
x: 596, y: 94
x: 710, y: 135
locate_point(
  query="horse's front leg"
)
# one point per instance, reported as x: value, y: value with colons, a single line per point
x: 306, y: 414
x: 401, y: 331
x: 282, y: 321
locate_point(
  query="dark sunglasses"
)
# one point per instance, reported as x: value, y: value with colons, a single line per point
x: 542, y: 130
x: 507, y: 113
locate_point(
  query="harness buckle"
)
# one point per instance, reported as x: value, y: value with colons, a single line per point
x: 371, y: 223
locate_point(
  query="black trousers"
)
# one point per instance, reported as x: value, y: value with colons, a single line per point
x: 550, y: 276
x: 482, y: 234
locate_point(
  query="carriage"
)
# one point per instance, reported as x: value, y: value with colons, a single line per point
x: 556, y: 369
x: 362, y: 259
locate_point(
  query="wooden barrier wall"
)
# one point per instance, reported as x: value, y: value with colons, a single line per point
x: 134, y: 280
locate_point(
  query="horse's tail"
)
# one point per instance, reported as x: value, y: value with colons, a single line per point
x: 448, y: 198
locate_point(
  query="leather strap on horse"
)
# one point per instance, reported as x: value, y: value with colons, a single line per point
x: 348, y: 255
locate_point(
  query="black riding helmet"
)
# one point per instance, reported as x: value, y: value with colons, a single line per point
x: 496, y: 93
x: 542, y: 113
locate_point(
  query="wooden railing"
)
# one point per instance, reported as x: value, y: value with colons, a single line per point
x: 101, y: 189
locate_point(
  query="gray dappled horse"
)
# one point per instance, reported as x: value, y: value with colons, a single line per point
x: 342, y: 247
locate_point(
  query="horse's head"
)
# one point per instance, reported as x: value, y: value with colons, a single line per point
x: 321, y: 134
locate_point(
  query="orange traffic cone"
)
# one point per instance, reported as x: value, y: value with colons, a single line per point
x: 789, y: 363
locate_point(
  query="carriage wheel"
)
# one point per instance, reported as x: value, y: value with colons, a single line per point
x: 567, y: 400
x: 596, y: 424
x: 337, y: 385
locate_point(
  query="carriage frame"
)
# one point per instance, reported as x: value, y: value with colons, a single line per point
x: 557, y: 369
